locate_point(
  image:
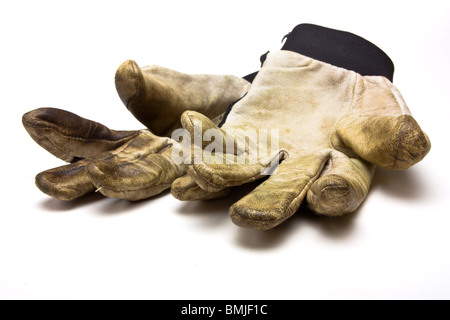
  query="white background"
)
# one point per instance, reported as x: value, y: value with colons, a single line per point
x: 64, y: 55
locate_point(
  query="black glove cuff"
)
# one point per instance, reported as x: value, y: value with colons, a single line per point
x: 339, y: 48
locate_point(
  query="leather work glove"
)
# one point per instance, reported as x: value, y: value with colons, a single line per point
x: 130, y: 165
x: 338, y: 116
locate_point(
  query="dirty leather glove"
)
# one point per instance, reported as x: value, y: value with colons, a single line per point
x: 335, y: 125
x: 111, y: 161
x: 339, y: 48
x: 130, y: 165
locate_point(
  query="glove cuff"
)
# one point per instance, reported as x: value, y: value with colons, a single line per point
x: 339, y: 48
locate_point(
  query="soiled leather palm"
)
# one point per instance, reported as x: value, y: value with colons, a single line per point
x: 334, y: 126
x: 130, y: 165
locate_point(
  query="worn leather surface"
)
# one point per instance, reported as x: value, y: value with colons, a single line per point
x: 334, y: 125
x: 94, y: 147
x: 158, y: 96
x: 130, y: 165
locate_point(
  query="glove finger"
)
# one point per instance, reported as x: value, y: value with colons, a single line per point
x: 157, y: 96
x: 390, y: 142
x: 66, y: 182
x: 381, y: 129
x: 279, y: 197
x: 141, y: 170
x: 202, y: 130
x: 216, y: 171
x: 342, y: 186
x: 185, y: 189
x: 68, y: 136
x: 221, y: 171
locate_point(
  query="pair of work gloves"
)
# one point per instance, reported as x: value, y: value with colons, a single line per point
x: 327, y: 94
